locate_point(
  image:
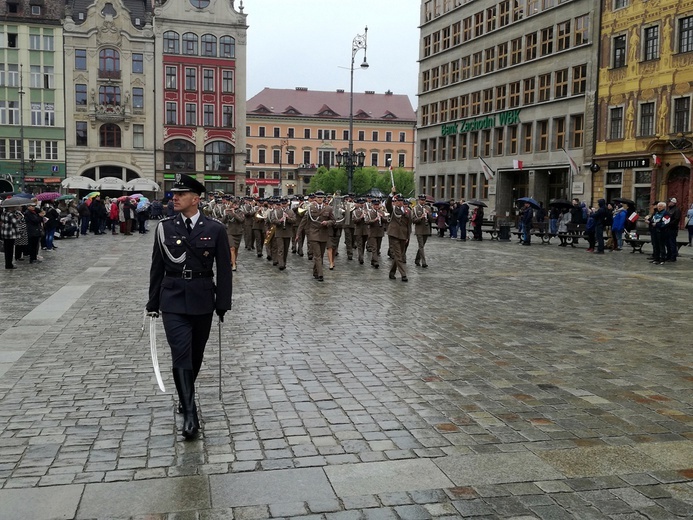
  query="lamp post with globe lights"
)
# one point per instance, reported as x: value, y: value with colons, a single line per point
x: 350, y: 158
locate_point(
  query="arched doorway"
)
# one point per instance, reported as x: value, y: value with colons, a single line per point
x: 677, y: 187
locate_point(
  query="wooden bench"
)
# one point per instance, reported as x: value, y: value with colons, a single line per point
x: 637, y: 243
x: 539, y: 230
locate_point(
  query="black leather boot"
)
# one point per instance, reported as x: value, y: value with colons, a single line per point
x: 185, y: 385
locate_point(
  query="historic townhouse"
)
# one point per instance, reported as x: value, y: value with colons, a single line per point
x: 109, y: 67
x: 645, y: 76
x: 511, y: 82
x: 290, y: 133
x: 32, y: 120
x: 200, y: 92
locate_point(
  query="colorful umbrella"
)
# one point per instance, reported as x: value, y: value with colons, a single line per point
x: 49, y: 195
x: 123, y: 198
x: 136, y: 196
x: 93, y: 194
x: 69, y: 196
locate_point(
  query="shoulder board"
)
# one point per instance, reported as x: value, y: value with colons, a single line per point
x: 167, y: 218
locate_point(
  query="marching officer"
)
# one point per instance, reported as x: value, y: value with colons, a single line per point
x: 398, y: 231
x: 423, y: 219
x: 375, y: 217
x: 234, y: 218
x: 182, y: 288
x: 283, y: 218
x: 317, y: 221
x: 360, y: 228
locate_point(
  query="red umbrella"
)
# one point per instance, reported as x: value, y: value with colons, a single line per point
x: 49, y: 195
x: 123, y: 198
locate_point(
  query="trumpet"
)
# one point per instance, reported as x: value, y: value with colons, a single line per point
x: 262, y: 214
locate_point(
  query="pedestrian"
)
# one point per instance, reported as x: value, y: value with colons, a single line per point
x: 540, y: 217
x: 564, y: 218
x: 601, y: 217
x: 618, y: 226
x: 182, y: 289
x: 526, y: 217
x: 453, y: 220
x: 84, y: 214
x: 689, y: 225
x: 51, y: 224
x: 34, y: 227
x: 554, y: 214
x: 477, y: 221
x: 658, y: 223
x: 113, y: 217
x: 672, y: 230
x: 442, y: 220
x: 9, y: 232
x: 576, y: 215
x: 462, y: 219
x: 398, y: 232
x: 589, y: 230
x: 128, y: 215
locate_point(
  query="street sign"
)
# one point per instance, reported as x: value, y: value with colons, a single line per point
x: 55, y: 168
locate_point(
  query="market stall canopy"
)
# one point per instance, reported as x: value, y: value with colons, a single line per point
x: 78, y: 183
x: 110, y: 183
x: 141, y: 184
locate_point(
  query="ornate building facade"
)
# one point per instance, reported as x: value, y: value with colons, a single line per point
x: 509, y: 83
x: 290, y: 133
x: 644, y: 102
x: 109, y: 71
x: 200, y: 92
x: 32, y: 117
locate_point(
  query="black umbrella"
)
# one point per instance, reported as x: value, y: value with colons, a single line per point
x: 560, y: 203
x: 623, y: 200
x: 530, y: 201
x: 475, y: 202
x: 441, y: 204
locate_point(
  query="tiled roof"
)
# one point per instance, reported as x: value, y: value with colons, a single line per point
x: 137, y: 8
x: 316, y: 103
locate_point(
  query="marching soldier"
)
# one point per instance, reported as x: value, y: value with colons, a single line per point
x: 375, y: 218
x: 259, y: 228
x: 349, y: 226
x: 182, y: 289
x: 317, y: 221
x: 360, y: 228
x: 234, y: 218
x: 398, y: 232
x: 283, y: 218
x: 422, y: 218
x: 248, y: 209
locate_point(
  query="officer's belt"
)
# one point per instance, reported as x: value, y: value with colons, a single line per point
x: 187, y: 274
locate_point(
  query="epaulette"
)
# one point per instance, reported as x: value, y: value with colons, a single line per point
x: 167, y: 218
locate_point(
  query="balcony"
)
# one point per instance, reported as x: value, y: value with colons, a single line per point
x: 109, y: 74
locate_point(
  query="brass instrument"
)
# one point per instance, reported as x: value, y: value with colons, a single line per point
x: 270, y: 234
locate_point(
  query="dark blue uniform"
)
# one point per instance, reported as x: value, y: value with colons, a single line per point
x: 182, y: 287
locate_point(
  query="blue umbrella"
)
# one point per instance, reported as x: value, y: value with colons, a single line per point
x: 530, y: 201
x: 25, y: 195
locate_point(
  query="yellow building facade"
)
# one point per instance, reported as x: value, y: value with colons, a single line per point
x: 644, y: 102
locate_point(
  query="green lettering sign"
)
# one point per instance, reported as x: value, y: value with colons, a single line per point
x: 509, y: 117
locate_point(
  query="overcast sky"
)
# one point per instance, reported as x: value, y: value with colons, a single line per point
x: 303, y: 43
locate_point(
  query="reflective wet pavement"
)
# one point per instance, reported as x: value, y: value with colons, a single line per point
x: 501, y: 382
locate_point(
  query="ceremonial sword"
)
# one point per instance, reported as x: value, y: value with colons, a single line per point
x: 152, y: 346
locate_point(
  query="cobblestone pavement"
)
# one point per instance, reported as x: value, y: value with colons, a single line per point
x: 501, y: 382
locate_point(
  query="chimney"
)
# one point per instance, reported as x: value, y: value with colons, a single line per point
x: 302, y: 89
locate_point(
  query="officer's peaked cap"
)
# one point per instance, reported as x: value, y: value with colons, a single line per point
x: 187, y: 183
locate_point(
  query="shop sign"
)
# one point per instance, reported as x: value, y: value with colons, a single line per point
x: 509, y: 117
x: 629, y: 163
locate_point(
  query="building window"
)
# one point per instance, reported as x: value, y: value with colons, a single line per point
x: 579, y: 79
x: 190, y: 78
x: 463, y: 146
x: 35, y: 42
x: 620, y: 4
x: 488, y: 100
x: 686, y: 34
x: 529, y: 91
x: 171, y: 77
x: 35, y: 76
x: 474, y: 137
x: 171, y: 113
x: 209, y: 45
x: 208, y: 115
x: 455, y: 71
x: 276, y: 131
x: 490, y: 60
x: 138, y: 136
x: 109, y: 136
x: 171, y: 42
x: 500, y: 133
x: 504, y: 13
x: 559, y: 132
x: 190, y: 44
x: 512, y: 138
x: 446, y: 38
x: 563, y: 40
x: 464, y: 105
x: 261, y: 156
x: 491, y: 19
x: 227, y: 81
x: 530, y: 46
x: 179, y: 154
x: 427, y: 46
x: 543, y: 131
x: 516, y: 51
x: 36, y: 10
x: 503, y: 55
x: 227, y: 116
x: 81, y: 133
x: 362, y: 135
x: 544, y: 87
x: 682, y: 114
x: 478, y: 24
x: 109, y: 95
x: 616, y: 123
x: 647, y: 118
x: 219, y: 156
x: 477, y: 60
x: 456, y: 33
x: 36, y: 114
x: 51, y: 150
x: 227, y: 47
x: 527, y: 137
x: 487, y: 142
x: 465, y: 67
x: 374, y: 158
x: 137, y: 63
x: 546, y: 41
x: 81, y: 94
x: 388, y: 137
x: 476, y: 103
x: 577, y: 126
x: 652, y: 43
x: 436, y: 42
x: 561, y: 84
x: 191, y: 114
x: 514, y: 94
x: 208, y: 80
x: 137, y: 97
x: 80, y: 59
x: 375, y: 136
x: 501, y: 92
x: 400, y: 159
x: 109, y: 61
x: 403, y: 136
x: 582, y: 28
x: 261, y: 131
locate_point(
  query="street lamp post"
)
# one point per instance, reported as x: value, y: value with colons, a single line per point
x: 282, y: 144
x: 351, y: 161
x: 22, y: 164
x: 359, y: 42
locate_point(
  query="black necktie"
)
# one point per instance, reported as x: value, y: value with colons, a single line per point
x: 188, y: 224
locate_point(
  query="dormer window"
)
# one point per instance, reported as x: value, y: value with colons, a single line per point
x: 36, y: 10
x: 12, y: 8
x: 199, y: 4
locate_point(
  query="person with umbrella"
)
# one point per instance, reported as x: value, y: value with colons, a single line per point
x: 50, y: 225
x: 526, y: 217
x: 181, y: 287
x: 9, y: 232
x: 462, y: 218
x: 34, y: 227
x: 618, y: 226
